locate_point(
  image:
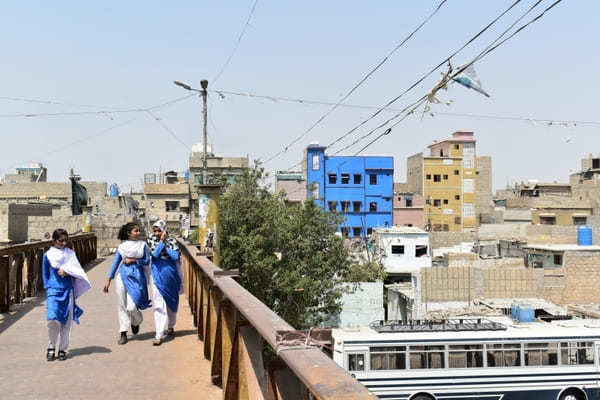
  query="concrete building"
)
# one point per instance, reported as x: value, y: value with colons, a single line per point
x: 33, y: 172
x: 408, y: 207
x: 169, y: 202
x: 446, y: 178
x: 534, y: 188
x: 483, y: 189
x: 358, y: 187
x: 404, y: 250
x: 293, y: 184
x: 14, y: 220
x: 227, y: 167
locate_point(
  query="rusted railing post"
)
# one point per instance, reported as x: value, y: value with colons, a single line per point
x: 4, y: 285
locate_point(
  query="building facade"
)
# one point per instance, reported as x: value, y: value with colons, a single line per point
x: 33, y: 172
x: 408, y: 207
x: 293, y: 184
x: 358, y: 187
x: 447, y: 179
x: 405, y: 250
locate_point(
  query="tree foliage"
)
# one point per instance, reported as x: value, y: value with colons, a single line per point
x: 288, y: 256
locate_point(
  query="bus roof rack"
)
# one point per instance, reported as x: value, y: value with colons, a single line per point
x: 440, y: 325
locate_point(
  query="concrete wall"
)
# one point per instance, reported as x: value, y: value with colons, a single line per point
x: 361, y: 307
x: 414, y: 173
x: 454, y: 260
x: 576, y: 282
x: 449, y: 239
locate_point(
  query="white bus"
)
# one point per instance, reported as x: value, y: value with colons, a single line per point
x: 474, y: 359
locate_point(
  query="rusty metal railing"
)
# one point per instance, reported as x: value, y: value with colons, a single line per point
x: 233, y: 325
x: 21, y: 267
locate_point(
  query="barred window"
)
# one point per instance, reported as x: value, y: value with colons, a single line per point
x: 424, y: 357
x: 383, y: 358
x: 577, y: 353
x: 356, y: 362
x: 541, y: 353
x: 504, y: 355
x: 465, y: 356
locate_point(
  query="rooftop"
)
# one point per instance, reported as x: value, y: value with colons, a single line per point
x: 400, y: 230
x: 561, y: 247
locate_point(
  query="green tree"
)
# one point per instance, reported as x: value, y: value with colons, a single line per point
x: 289, y: 257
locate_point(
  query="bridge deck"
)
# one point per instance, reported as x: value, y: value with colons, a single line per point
x: 97, y: 367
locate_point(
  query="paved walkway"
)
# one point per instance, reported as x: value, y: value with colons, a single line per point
x: 97, y: 367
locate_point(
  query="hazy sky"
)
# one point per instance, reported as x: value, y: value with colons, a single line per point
x: 126, y: 54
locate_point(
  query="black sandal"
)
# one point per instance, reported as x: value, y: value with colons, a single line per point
x: 62, y: 355
x: 50, y: 354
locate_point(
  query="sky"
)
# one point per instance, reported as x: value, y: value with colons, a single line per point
x: 102, y: 56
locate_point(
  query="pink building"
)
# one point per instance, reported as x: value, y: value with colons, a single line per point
x: 408, y: 207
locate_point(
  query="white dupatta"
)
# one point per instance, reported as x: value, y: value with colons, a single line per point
x: 66, y: 260
x: 132, y: 249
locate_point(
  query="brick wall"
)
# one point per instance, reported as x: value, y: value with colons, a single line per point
x: 577, y: 282
x: 449, y: 239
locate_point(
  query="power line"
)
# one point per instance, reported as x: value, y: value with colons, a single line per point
x: 237, y: 43
x: 357, y: 85
x: 169, y: 130
x: 102, y: 112
x: 484, y: 53
x: 302, y: 101
x: 56, y: 102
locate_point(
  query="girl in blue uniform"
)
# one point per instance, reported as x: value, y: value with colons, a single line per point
x: 64, y: 281
x: 132, y: 259
x: 166, y: 280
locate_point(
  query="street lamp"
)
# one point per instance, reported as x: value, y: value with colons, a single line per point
x: 203, y: 93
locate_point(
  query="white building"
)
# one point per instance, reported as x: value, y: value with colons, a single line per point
x: 404, y: 249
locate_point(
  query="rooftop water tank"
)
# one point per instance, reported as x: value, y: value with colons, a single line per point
x: 584, y: 236
x: 113, y: 191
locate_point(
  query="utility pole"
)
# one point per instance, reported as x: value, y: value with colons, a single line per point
x: 203, y: 93
x: 204, y: 85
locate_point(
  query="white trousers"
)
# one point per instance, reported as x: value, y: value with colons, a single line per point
x: 55, y: 329
x: 128, y: 311
x: 162, y: 313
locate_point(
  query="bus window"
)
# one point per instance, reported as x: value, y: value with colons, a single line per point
x: 541, y: 354
x: 576, y: 353
x: 465, y: 356
x: 426, y: 357
x: 356, y: 362
x: 388, y: 358
x: 504, y: 355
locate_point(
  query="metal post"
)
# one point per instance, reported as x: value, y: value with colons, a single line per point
x: 204, y: 84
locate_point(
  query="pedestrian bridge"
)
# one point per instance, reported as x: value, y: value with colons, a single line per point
x: 217, y: 352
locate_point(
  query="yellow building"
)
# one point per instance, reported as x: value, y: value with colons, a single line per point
x: 447, y: 180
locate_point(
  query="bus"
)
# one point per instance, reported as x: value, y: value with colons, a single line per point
x: 474, y: 358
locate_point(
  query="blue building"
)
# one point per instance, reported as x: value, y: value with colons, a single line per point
x: 361, y: 188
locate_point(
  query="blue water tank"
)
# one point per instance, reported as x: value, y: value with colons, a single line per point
x: 114, y: 190
x: 186, y: 175
x: 526, y: 314
x: 514, y: 311
x: 584, y: 236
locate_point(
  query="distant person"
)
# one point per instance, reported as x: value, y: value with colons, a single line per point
x: 132, y: 259
x: 64, y: 281
x: 167, y: 280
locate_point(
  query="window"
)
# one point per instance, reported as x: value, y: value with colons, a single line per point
x: 409, y: 202
x: 445, y: 177
x: 345, y: 206
x: 595, y: 163
x: 372, y: 179
x: 369, y: 231
x: 357, y: 179
x: 332, y: 179
x: 356, y: 362
x: 445, y: 228
x: 420, y: 250
x: 428, y: 201
x: 373, y: 206
x: 541, y: 353
x: 576, y: 353
x: 171, y: 205
x: 457, y: 220
x: 456, y: 172
x: 345, y: 230
x: 397, y: 249
x: 579, y: 220
x: 445, y: 201
x: 548, y: 220
x: 468, y: 210
x: 316, y: 162
x: 456, y: 146
x: 356, y: 231
x: 437, y: 178
x: 315, y: 191
x: 558, y: 260
x: 426, y: 357
x: 356, y: 206
x: 504, y: 355
x: 428, y: 176
x: 345, y: 179
x: 332, y: 205
x: 437, y: 203
x: 468, y: 185
x: 465, y: 356
x: 383, y: 358
x: 457, y: 197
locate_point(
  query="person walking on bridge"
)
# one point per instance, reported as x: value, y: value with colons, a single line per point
x: 167, y: 280
x: 132, y: 259
x: 64, y: 281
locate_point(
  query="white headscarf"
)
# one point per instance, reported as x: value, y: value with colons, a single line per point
x: 160, y: 224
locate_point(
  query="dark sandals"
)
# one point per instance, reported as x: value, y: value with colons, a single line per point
x: 62, y: 355
x: 50, y: 354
